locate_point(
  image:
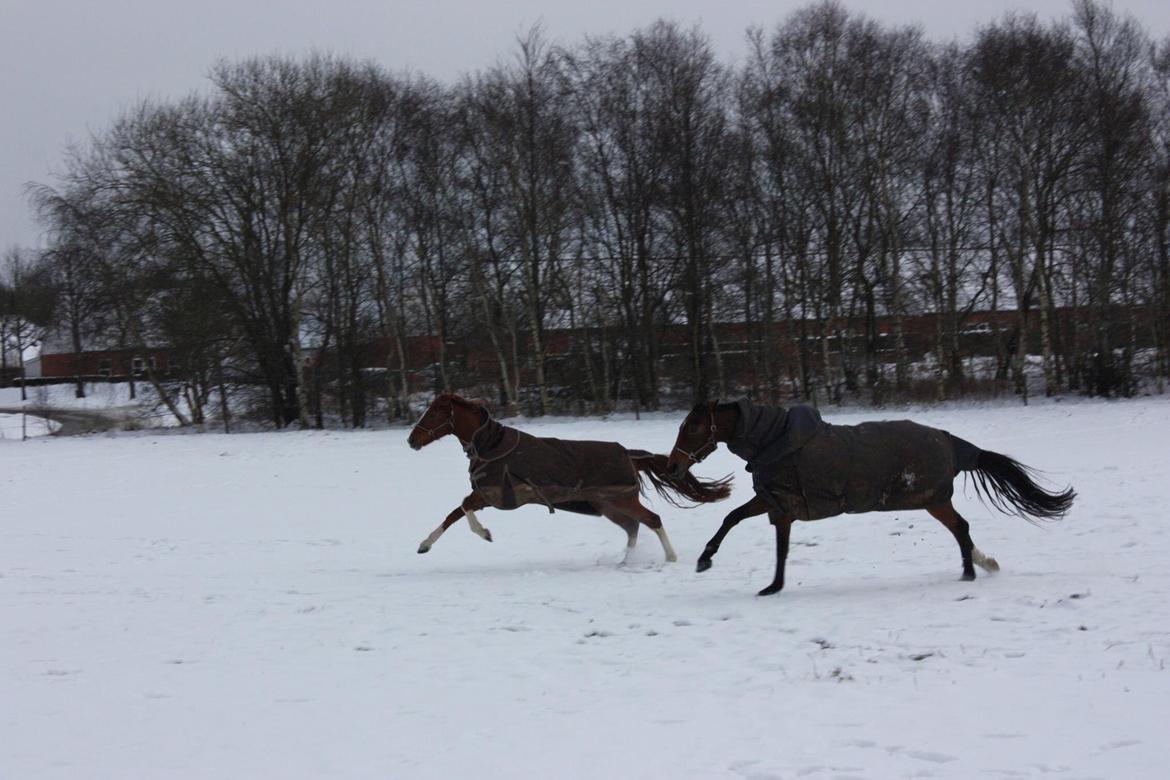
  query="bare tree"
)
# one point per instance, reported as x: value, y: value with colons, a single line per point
x: 1025, y: 79
x: 26, y: 304
x: 629, y: 220
x: 1113, y: 175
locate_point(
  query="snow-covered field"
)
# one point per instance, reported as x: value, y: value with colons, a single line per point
x: 252, y: 606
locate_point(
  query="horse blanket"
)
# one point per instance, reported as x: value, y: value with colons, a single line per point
x: 510, y: 468
x: 810, y: 469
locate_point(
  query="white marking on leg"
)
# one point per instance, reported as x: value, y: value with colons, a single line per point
x: 631, y: 541
x: 430, y: 540
x: 476, y: 528
x: 666, y: 546
x: 984, y: 562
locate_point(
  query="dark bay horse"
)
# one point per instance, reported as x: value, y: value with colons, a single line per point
x: 806, y: 469
x: 509, y: 468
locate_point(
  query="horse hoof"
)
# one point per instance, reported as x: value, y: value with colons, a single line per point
x: 423, y: 548
x: 990, y: 564
x: 487, y: 535
x: 703, y: 565
x: 967, y: 576
x: 768, y: 591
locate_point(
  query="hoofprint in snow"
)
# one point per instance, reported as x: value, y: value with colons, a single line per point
x: 253, y: 606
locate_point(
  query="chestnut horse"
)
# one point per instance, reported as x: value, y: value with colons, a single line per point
x: 806, y: 469
x: 509, y: 468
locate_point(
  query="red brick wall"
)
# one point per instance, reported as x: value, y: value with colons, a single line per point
x: 94, y: 363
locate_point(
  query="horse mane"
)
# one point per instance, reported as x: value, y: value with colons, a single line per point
x: 473, y: 404
x: 480, y: 403
x: 711, y: 406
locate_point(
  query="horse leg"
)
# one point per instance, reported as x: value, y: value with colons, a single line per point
x: 947, y: 515
x: 466, y: 507
x: 750, y: 509
x: 633, y: 509
x: 476, y: 527
x: 783, y: 528
x: 618, y: 518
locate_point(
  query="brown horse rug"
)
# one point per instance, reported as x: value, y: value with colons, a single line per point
x: 810, y: 469
x: 510, y: 468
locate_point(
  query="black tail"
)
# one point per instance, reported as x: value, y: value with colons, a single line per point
x: 1008, y: 485
x: 701, y: 491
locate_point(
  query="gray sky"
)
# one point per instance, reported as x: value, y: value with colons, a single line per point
x: 67, y: 68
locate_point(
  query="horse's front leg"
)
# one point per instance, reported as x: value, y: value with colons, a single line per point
x: 750, y: 509
x: 467, y: 507
x: 783, y: 528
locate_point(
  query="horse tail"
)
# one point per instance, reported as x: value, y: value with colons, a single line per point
x: 1009, y: 485
x: 702, y: 491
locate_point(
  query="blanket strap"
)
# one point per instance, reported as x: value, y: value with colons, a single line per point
x: 543, y: 498
x: 473, y: 451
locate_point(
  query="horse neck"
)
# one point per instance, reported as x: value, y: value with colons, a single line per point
x: 466, y: 424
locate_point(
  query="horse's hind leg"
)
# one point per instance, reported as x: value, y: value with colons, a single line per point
x: 946, y: 514
x: 627, y: 524
x: 466, y: 507
x: 633, y: 509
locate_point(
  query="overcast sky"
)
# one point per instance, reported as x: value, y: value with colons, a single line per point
x: 67, y: 68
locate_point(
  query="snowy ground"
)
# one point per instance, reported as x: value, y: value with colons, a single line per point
x: 17, y: 426
x: 106, y: 405
x: 253, y: 606
x: 98, y: 395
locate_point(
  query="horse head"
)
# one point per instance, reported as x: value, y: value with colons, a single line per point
x: 698, y: 436
x: 448, y: 414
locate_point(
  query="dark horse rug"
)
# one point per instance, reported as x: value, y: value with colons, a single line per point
x: 510, y: 468
x: 810, y: 469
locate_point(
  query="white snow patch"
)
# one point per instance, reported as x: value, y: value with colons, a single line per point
x: 18, y: 427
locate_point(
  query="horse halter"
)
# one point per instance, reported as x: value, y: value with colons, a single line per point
x: 697, y: 455
x: 418, y: 426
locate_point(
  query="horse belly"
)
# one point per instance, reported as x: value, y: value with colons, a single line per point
x: 550, y: 495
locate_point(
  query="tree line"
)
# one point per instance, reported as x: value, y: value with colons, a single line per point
x: 643, y: 200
